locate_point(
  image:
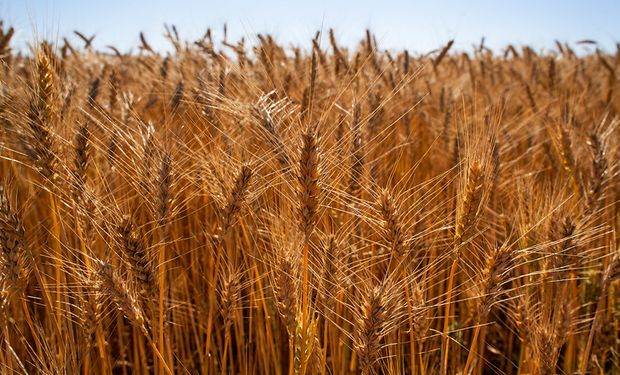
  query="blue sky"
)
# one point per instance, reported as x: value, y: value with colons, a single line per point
x: 419, y: 26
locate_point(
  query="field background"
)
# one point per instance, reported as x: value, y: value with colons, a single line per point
x: 249, y: 203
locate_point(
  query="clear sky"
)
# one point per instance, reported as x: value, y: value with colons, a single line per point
x: 418, y: 25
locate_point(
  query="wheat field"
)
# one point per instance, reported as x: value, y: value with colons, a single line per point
x: 239, y: 207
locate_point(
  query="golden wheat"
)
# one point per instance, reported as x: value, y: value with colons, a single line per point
x: 250, y: 208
